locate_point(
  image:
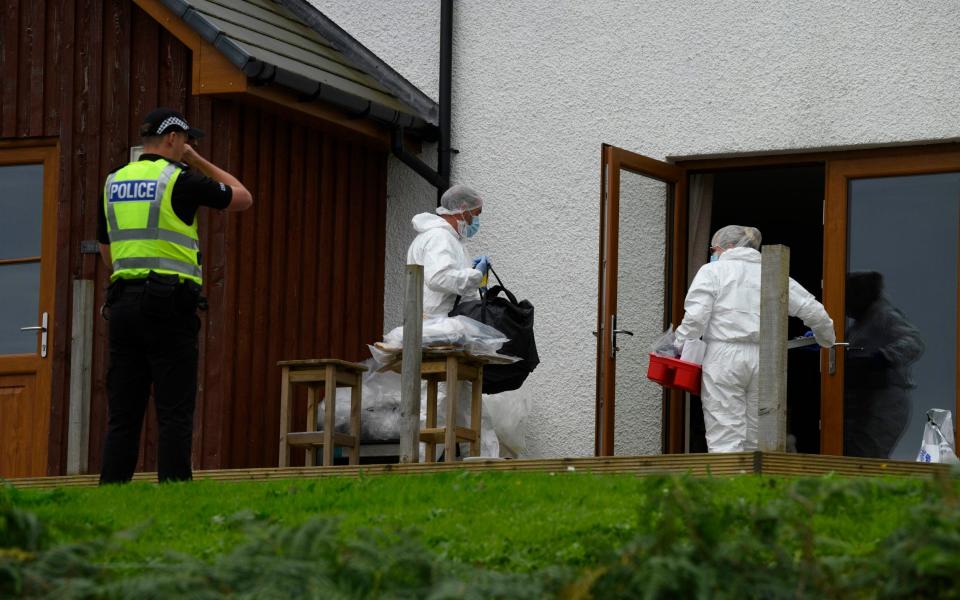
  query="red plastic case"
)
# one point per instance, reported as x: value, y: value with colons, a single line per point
x: 675, y: 373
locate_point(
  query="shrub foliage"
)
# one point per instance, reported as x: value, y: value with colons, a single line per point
x: 690, y: 543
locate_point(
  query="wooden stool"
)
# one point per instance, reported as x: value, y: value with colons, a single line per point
x: 333, y: 374
x: 451, y: 367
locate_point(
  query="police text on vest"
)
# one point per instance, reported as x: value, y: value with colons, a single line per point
x: 138, y: 190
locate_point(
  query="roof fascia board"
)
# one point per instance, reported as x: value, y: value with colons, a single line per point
x: 363, y: 58
x: 209, y: 43
x: 208, y: 61
x: 213, y: 71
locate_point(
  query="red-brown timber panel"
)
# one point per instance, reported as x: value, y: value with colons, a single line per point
x: 88, y: 171
x: 30, y: 102
x: 299, y: 275
x: 9, y: 42
x: 282, y: 234
x: 295, y: 275
x: 240, y: 281
x: 353, y: 282
x: 59, y: 103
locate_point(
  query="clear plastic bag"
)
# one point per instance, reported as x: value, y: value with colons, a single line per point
x: 459, y: 331
x: 453, y: 333
x: 380, y: 410
x: 380, y: 405
x: 665, y: 345
x: 938, y: 440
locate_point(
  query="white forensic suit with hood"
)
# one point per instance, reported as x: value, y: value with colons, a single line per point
x: 448, y: 272
x: 723, y: 307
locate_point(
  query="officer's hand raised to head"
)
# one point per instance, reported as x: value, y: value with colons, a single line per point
x: 190, y: 155
x: 241, y: 200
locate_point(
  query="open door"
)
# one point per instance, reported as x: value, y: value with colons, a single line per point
x: 28, y: 194
x: 639, y: 196
x: 891, y: 246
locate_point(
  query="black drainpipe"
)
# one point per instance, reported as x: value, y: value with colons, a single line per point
x: 446, y: 71
x: 441, y: 177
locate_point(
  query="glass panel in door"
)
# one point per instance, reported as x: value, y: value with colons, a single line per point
x: 21, y: 203
x: 28, y: 203
x: 637, y: 193
x: 640, y: 310
x: 900, y: 310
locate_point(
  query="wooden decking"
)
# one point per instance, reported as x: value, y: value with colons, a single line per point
x: 741, y: 463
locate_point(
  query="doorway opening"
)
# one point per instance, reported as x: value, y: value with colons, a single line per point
x: 785, y: 203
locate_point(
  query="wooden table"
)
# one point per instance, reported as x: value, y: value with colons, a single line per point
x: 451, y: 367
x: 331, y: 373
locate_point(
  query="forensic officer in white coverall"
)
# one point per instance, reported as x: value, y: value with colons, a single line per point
x: 723, y: 307
x: 447, y: 270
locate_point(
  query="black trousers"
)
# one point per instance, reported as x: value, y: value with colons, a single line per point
x: 153, y: 340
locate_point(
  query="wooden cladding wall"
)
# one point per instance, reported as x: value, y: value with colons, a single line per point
x: 298, y: 275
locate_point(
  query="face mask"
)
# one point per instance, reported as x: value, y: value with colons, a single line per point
x: 714, y: 257
x: 469, y: 229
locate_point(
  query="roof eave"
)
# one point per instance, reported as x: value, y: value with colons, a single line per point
x: 426, y: 108
x: 262, y: 73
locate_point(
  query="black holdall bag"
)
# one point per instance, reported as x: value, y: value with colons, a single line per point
x: 513, y: 319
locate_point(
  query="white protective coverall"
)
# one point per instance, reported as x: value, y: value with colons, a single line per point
x: 723, y: 306
x: 447, y: 271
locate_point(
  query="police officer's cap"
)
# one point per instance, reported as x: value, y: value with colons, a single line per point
x: 162, y: 121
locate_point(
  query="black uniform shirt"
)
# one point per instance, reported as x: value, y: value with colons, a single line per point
x: 191, y: 191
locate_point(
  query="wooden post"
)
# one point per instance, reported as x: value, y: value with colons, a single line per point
x: 81, y: 356
x: 286, y: 397
x: 410, y: 374
x: 771, y: 412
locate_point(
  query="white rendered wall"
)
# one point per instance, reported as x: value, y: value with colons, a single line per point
x: 539, y: 85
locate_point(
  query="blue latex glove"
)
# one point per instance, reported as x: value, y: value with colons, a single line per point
x: 811, y: 348
x: 482, y: 264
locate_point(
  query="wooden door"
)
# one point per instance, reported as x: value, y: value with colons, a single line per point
x: 628, y: 182
x: 891, y: 246
x: 28, y: 193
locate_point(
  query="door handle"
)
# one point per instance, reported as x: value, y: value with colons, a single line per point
x: 614, y: 332
x: 42, y: 328
x: 832, y: 356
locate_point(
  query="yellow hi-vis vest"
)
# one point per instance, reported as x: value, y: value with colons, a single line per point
x: 145, y: 232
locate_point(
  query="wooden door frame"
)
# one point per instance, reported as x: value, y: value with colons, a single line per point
x: 838, y: 176
x: 46, y: 152
x: 612, y: 160
x: 845, y: 164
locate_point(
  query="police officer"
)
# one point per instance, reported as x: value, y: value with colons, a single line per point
x: 148, y: 234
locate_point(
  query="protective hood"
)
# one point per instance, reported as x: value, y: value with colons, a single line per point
x: 427, y: 221
x: 746, y: 254
x: 447, y: 271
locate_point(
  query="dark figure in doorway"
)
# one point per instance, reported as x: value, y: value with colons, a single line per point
x: 883, y: 345
x: 149, y: 236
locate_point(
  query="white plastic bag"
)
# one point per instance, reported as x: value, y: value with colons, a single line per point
x: 508, y: 413
x: 938, y: 440
x: 489, y: 443
x: 694, y: 351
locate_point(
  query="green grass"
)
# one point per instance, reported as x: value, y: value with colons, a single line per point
x: 503, y: 521
x: 487, y: 535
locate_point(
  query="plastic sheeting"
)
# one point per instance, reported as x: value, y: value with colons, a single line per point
x: 504, y: 415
